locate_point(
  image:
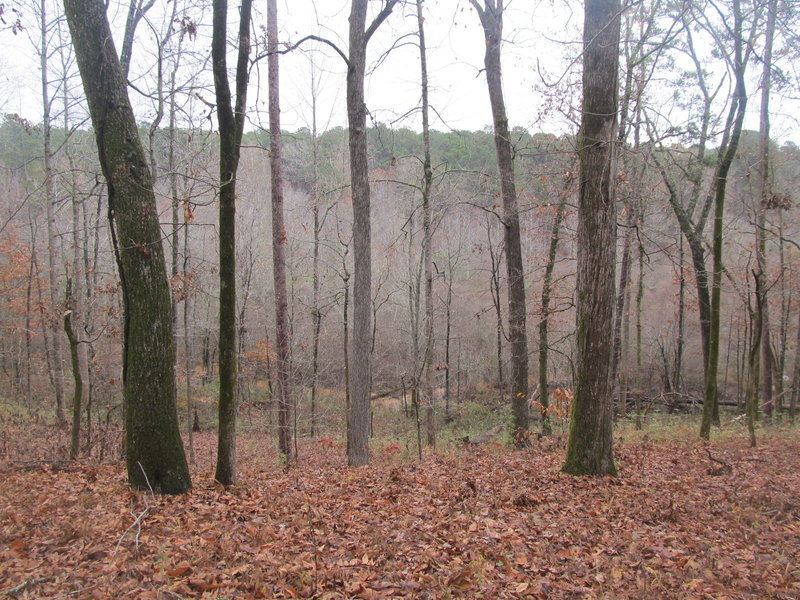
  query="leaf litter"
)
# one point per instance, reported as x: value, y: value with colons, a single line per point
x: 480, y: 523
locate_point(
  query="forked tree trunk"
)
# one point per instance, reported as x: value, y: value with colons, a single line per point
x: 231, y: 126
x: 154, y: 452
x: 729, y: 145
x: 589, y: 450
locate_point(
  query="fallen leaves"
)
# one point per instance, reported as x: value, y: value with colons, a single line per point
x: 452, y: 526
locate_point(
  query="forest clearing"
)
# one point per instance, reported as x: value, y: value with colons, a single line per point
x: 681, y: 520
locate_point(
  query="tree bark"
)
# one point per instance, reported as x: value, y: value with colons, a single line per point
x: 155, y: 457
x: 75, y: 437
x: 763, y: 189
x: 231, y: 126
x: 361, y: 376
x: 50, y: 198
x: 279, y: 240
x: 589, y: 450
x: 544, y: 320
x: 491, y: 16
x: 728, y: 147
x: 427, y: 240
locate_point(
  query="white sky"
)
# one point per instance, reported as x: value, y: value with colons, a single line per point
x: 539, y: 34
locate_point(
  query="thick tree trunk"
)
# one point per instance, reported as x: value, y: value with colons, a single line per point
x: 491, y: 16
x: 279, y: 240
x: 589, y: 450
x: 361, y: 376
x: 155, y: 457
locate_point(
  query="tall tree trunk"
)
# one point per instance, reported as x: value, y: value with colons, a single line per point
x: 639, y: 299
x: 757, y: 338
x: 155, y: 457
x: 50, y: 198
x: 361, y: 378
x: 316, y: 311
x: 589, y: 450
x: 448, y: 337
x: 231, y: 126
x: 188, y: 358
x: 763, y: 192
x: 677, y: 377
x: 427, y: 241
x: 619, y: 312
x: 730, y: 143
x: 279, y: 240
x: 491, y: 15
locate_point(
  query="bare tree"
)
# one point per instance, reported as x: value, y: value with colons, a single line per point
x: 155, y: 457
x: 279, y: 240
x: 491, y: 16
x: 231, y: 126
x: 589, y: 450
x: 361, y: 377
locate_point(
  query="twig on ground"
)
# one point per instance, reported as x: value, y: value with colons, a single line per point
x: 25, y: 584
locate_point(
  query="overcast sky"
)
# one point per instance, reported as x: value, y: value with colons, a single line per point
x: 541, y: 37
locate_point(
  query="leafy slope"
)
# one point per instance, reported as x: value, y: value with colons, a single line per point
x: 478, y: 524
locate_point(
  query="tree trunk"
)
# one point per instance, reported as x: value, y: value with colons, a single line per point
x: 155, y: 457
x: 547, y: 285
x: 757, y: 339
x: 677, y: 377
x: 50, y: 198
x: 795, y: 377
x: 491, y: 15
x: 619, y: 312
x: 231, y: 126
x: 495, y: 291
x: 730, y: 143
x: 316, y: 311
x: 279, y: 240
x: 427, y: 241
x: 361, y: 377
x: 763, y: 191
x: 589, y: 450
x: 75, y: 437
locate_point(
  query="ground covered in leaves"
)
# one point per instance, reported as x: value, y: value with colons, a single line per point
x: 483, y: 522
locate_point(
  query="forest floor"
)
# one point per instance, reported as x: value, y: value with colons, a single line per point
x: 482, y: 522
